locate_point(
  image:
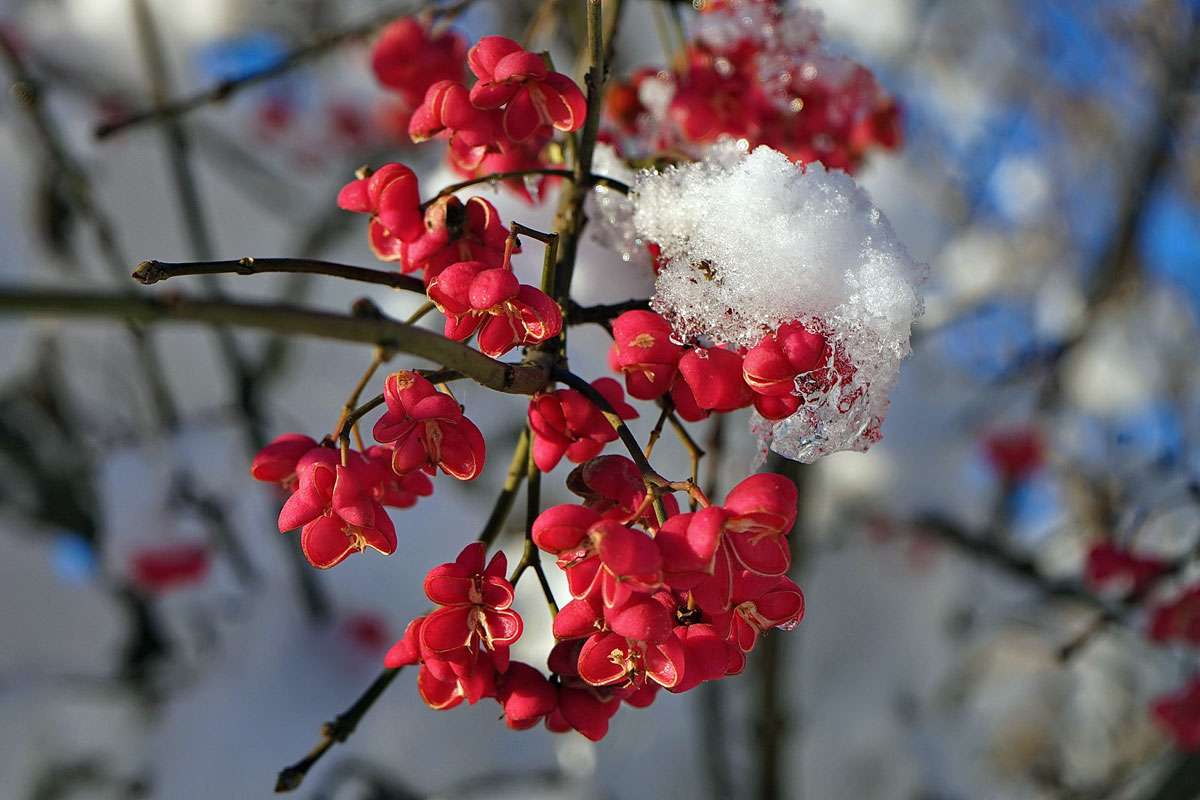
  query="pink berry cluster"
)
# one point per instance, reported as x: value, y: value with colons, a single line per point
x: 761, y: 75
x: 337, y: 498
x: 654, y: 605
x: 773, y: 376
x: 501, y: 123
x: 464, y: 252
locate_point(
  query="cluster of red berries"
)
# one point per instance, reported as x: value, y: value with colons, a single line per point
x: 655, y: 605
x: 464, y: 252
x: 337, y: 497
x: 408, y: 58
x: 773, y: 376
x: 763, y: 81
x: 499, y: 124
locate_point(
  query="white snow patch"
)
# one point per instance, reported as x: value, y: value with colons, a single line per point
x: 752, y: 241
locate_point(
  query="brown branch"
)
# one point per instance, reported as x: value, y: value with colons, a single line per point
x: 151, y: 272
x: 988, y: 549
x: 589, y: 180
x: 655, y: 483
x: 301, y: 55
x: 410, y: 339
x: 508, y: 493
x: 335, y: 732
x: 603, y: 313
x: 77, y: 188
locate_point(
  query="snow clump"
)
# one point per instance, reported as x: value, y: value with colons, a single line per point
x: 750, y: 241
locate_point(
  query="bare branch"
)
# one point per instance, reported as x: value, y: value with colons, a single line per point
x: 589, y: 180
x: 335, y: 732
x: 398, y: 336
x: 301, y: 55
x: 604, y: 313
x: 151, y: 272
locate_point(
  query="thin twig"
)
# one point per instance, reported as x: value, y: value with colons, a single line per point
x: 224, y: 89
x: 341, y: 428
x: 989, y: 550
x: 695, y: 453
x: 570, y: 220
x: 604, y: 313
x: 422, y: 311
x: 655, y: 483
x: 152, y: 272
x: 343, y: 724
x: 335, y: 732
x: 352, y: 418
x: 495, y: 177
x: 79, y: 192
x: 657, y: 430
x: 712, y: 709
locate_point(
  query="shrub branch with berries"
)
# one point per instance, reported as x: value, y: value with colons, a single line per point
x: 780, y: 288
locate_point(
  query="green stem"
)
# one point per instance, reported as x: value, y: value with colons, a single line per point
x: 508, y: 493
x: 531, y: 556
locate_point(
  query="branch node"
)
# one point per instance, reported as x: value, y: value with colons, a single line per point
x: 365, y: 308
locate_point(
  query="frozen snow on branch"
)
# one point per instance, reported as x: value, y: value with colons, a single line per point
x: 610, y: 211
x: 751, y: 241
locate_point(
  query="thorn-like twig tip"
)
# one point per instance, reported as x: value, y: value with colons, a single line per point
x: 289, y: 780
